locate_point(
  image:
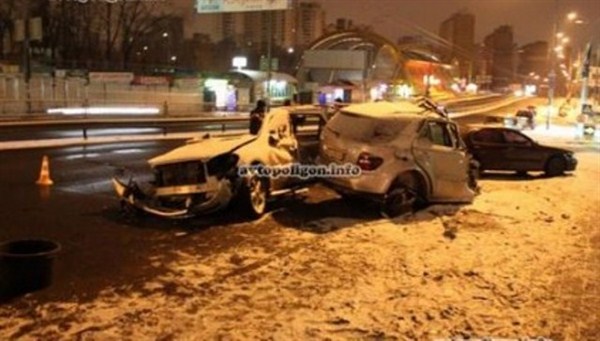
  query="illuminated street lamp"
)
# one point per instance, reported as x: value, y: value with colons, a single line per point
x: 557, y: 36
x: 168, y: 50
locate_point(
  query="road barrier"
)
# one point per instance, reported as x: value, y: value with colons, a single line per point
x: 44, y: 179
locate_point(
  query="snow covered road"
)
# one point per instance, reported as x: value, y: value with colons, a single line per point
x: 522, y: 261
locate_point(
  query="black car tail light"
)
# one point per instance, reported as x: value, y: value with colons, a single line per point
x: 368, y: 162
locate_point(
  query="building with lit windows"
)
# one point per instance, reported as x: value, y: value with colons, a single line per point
x: 458, y: 33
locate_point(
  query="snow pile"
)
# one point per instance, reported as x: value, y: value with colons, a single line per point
x: 521, y: 261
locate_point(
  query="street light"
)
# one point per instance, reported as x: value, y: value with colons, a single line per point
x: 168, y: 51
x: 556, y: 52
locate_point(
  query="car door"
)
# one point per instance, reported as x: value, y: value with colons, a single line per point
x: 282, y: 147
x: 519, y: 152
x: 487, y: 147
x: 439, y: 152
x: 306, y: 129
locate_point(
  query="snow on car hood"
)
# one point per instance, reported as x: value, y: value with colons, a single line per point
x: 201, y: 150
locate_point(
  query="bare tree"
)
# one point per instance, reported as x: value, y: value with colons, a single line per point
x: 138, y: 20
x: 70, y: 33
x: 7, y: 12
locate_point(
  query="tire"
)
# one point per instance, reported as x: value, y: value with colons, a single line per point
x: 475, y: 173
x: 399, y: 200
x: 555, y: 166
x: 254, y: 195
x: 403, y: 196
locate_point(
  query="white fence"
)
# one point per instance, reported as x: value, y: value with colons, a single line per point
x: 52, y: 92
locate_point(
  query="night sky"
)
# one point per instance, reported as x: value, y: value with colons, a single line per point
x: 531, y: 19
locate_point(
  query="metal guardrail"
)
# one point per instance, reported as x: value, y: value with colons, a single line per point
x: 166, y: 125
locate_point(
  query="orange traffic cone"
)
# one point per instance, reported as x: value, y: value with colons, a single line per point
x: 44, y: 179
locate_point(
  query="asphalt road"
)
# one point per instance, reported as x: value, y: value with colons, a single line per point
x: 103, y: 247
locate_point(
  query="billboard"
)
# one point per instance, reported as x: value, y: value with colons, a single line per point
x: 215, y: 6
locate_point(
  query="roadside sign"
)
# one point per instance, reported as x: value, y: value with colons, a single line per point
x: 215, y: 6
x: 264, y: 64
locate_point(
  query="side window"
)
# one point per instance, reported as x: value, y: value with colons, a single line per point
x: 515, y: 138
x: 439, y: 134
x: 488, y: 136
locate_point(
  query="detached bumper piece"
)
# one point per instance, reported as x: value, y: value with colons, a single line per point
x: 131, y: 195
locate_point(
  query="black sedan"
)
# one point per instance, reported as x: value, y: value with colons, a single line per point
x: 505, y: 149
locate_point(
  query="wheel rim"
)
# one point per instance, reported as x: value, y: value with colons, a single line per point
x: 258, y: 196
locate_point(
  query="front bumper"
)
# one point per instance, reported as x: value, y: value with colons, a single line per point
x: 571, y: 163
x: 133, y: 196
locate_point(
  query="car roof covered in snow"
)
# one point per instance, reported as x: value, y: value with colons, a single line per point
x: 385, y: 109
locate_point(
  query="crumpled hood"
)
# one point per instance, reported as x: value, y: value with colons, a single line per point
x: 201, y: 150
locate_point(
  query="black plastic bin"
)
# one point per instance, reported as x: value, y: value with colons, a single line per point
x: 26, y: 265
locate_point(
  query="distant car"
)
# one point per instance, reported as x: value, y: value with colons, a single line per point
x: 522, y: 119
x: 408, y: 155
x: 525, y: 118
x: 203, y: 176
x: 506, y: 149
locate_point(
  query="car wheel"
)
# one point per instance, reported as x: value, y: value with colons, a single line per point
x: 398, y: 200
x: 555, y: 166
x: 255, y: 194
x: 475, y: 173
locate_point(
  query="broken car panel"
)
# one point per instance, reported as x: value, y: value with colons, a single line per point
x: 202, y: 176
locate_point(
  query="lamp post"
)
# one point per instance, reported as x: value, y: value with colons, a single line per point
x: 585, y: 73
x: 168, y: 42
x: 555, y: 48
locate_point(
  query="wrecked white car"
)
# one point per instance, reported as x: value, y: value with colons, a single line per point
x: 205, y: 175
x: 409, y: 154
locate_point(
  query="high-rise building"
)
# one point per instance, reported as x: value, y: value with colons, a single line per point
x: 458, y: 31
x: 295, y: 27
x: 533, y: 59
x: 282, y: 30
x: 310, y: 23
x: 501, y: 47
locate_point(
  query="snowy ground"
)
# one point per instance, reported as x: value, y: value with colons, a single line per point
x: 522, y: 261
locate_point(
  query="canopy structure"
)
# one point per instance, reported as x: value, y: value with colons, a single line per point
x: 387, y: 70
x: 262, y: 76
